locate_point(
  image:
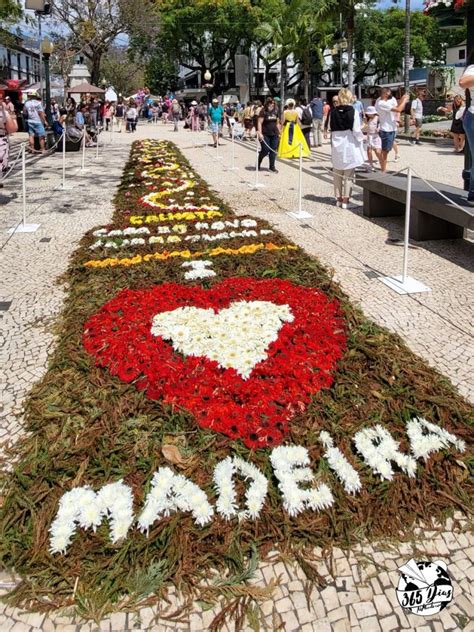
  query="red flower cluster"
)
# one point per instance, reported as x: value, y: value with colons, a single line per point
x: 257, y: 410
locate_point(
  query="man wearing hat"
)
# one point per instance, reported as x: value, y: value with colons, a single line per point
x: 34, y: 115
x: 215, y: 114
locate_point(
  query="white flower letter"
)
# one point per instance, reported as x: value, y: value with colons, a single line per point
x: 254, y: 496
x: 199, y: 269
x: 173, y: 492
x: 287, y: 461
x: 86, y: 508
x: 426, y: 437
x: 379, y: 448
x: 340, y: 465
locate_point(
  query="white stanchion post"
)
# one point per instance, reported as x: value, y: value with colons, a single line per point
x: 83, y: 160
x: 299, y: 213
x: 64, y: 186
x: 256, y: 185
x: 404, y: 284
x: 111, y: 130
x: 232, y: 158
x: 406, y: 236
x: 217, y: 157
x: 23, y: 227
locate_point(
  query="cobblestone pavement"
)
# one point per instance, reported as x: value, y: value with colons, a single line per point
x: 359, y: 594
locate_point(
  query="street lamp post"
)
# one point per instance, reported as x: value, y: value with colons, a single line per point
x: 406, y: 70
x: 208, y: 86
x: 46, y: 48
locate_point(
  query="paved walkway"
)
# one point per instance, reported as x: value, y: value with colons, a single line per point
x: 360, y: 589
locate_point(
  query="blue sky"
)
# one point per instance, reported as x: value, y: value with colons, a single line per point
x: 415, y: 4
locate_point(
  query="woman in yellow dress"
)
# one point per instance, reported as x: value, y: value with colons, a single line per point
x: 292, y: 136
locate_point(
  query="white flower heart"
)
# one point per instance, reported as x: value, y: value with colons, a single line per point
x: 237, y: 337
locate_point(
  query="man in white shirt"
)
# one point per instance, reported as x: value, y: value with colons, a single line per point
x: 387, y: 107
x: 416, y: 111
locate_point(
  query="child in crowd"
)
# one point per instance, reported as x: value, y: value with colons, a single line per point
x: 372, y: 128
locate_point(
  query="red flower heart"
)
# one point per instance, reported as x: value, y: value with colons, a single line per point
x: 257, y: 410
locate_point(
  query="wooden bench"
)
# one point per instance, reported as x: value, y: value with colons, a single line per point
x: 431, y: 217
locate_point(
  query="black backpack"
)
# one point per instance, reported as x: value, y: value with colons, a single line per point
x: 306, y: 116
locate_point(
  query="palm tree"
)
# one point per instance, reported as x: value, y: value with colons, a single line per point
x: 297, y: 28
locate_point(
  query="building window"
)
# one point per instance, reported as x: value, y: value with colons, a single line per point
x: 462, y: 53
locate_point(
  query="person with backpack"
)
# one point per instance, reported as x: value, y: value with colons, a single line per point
x: 347, y: 151
x: 317, y: 112
x: 387, y: 107
x: 305, y: 119
x: 175, y: 113
x: 248, y: 123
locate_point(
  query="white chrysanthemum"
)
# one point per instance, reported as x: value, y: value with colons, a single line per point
x: 340, y: 465
x: 227, y: 497
x: 171, y: 492
x: 289, y: 465
x: 220, y: 338
x: 426, y: 437
x: 379, y: 449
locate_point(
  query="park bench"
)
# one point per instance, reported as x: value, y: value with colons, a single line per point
x: 431, y: 217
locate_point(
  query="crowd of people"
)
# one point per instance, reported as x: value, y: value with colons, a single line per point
x: 360, y: 136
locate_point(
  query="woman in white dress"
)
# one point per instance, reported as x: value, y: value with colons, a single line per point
x: 347, y: 149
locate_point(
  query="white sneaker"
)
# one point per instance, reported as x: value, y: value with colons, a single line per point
x: 397, y: 158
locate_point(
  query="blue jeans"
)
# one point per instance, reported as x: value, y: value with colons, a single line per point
x: 269, y: 147
x: 468, y: 124
x: 36, y: 128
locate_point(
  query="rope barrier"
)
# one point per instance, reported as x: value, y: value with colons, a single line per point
x: 10, y: 169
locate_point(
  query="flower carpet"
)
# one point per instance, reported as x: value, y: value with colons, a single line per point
x: 214, y: 396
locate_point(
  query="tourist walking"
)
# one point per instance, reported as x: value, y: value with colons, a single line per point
x: 33, y: 113
x: 215, y: 115
x: 317, y: 111
x: 268, y: 131
x: 194, y: 114
x: 8, y: 125
x: 374, y: 144
x: 457, y: 108
x: 305, y: 120
x: 387, y: 107
x: 347, y: 151
x: 467, y: 83
x: 119, y: 115
x: 108, y: 113
x: 131, y: 116
x: 292, y: 137
x: 176, y: 112
x: 416, y: 112
x: 247, y: 119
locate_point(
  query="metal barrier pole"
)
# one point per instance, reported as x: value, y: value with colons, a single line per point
x: 63, y: 186
x: 404, y: 284
x: 300, y: 214
x: 23, y: 227
x: 23, y: 183
x: 406, y: 235
x: 83, y: 161
x: 232, y: 158
x: 257, y: 184
x: 97, y: 136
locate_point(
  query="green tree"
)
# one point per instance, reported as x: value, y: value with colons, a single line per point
x: 207, y: 34
x: 380, y: 42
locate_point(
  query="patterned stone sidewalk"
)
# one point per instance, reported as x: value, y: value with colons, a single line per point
x: 359, y: 591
